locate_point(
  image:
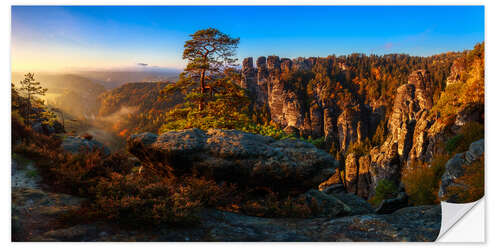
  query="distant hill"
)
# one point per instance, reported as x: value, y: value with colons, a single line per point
x: 113, y: 79
x: 72, y: 93
x: 143, y: 96
x: 135, y: 107
x: 57, y: 83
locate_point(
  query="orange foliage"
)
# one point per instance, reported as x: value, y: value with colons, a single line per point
x: 123, y: 133
x: 470, y: 186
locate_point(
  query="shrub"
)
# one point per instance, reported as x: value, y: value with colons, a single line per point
x: 468, y: 133
x: 385, y: 189
x: 146, y: 199
x: 266, y: 130
x: 470, y: 186
x: 63, y: 171
x: 272, y: 205
x: 422, y: 181
x: 471, y: 132
x: 452, y: 143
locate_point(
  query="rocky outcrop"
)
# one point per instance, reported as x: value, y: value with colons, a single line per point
x: 455, y: 168
x: 235, y: 156
x: 34, y: 212
x: 408, y: 126
x: 357, y: 176
x: 78, y: 144
x: 411, y: 104
x: 457, y: 71
x: 420, y: 223
x: 330, y: 206
x: 350, y: 127
x: 389, y: 206
x: 356, y: 204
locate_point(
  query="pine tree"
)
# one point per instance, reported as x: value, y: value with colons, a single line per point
x: 209, y: 53
x: 32, y: 90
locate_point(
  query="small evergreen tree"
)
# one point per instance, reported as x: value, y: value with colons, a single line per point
x: 32, y: 91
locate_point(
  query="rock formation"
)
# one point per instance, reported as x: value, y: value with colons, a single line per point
x: 235, y: 156
x: 272, y: 86
x: 412, y: 130
x: 408, y: 126
x: 78, y: 144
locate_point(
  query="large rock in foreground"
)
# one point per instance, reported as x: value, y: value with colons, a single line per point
x: 235, y: 156
x: 420, y: 223
x: 79, y: 144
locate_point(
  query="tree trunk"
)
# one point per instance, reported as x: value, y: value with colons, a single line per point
x: 28, y: 116
x: 202, y: 89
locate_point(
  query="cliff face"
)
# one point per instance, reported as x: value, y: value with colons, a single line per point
x: 326, y: 97
x: 271, y: 84
x: 408, y: 125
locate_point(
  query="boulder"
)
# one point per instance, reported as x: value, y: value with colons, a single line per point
x: 333, y: 189
x: 77, y: 144
x: 390, y: 205
x: 243, y: 158
x: 356, y: 204
x: 330, y: 205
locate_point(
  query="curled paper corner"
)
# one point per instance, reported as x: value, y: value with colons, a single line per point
x: 452, y: 213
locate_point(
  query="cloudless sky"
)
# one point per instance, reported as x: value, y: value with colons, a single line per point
x: 90, y: 37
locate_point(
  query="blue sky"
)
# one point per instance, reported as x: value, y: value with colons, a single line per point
x: 80, y: 37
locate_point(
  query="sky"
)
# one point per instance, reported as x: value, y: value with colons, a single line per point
x: 68, y: 38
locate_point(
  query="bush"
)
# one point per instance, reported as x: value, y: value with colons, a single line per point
x: 471, y: 132
x: 452, y: 143
x: 272, y: 206
x: 266, y: 130
x: 422, y: 181
x: 385, y: 189
x: 468, y: 133
x: 68, y: 173
x: 146, y: 199
x: 470, y: 186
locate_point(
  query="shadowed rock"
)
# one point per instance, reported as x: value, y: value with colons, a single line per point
x: 235, y: 156
x: 74, y: 145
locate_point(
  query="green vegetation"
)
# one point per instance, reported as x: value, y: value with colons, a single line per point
x: 468, y: 133
x: 266, y: 130
x: 32, y: 91
x: 213, y: 99
x: 209, y: 53
x: 385, y: 189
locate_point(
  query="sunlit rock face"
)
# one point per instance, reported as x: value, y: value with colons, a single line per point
x: 273, y: 87
x: 408, y: 126
x: 412, y: 134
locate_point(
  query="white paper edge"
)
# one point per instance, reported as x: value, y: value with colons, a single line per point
x: 462, y: 222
